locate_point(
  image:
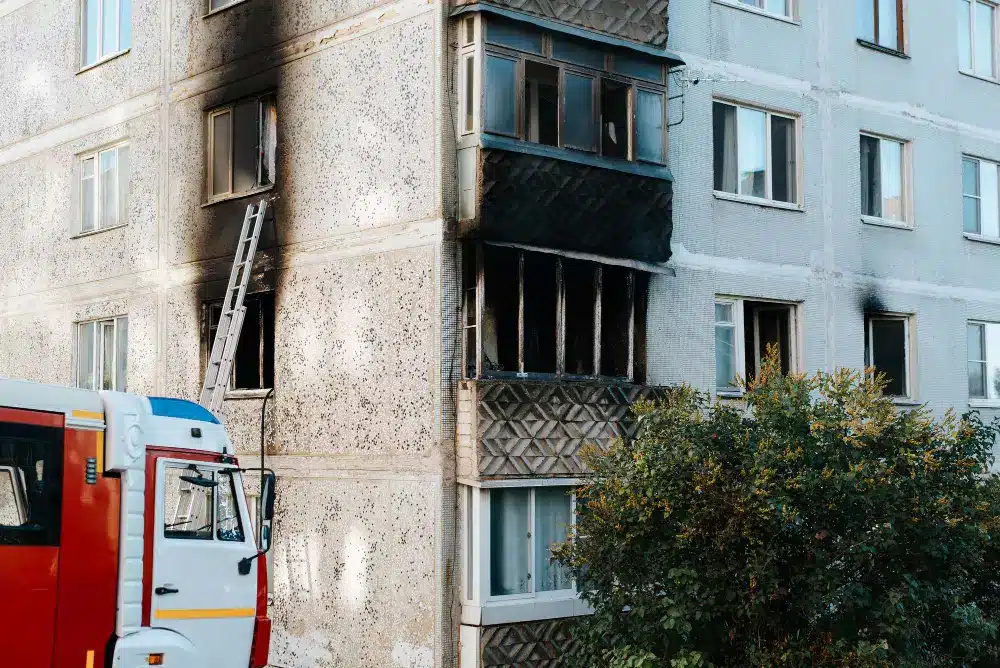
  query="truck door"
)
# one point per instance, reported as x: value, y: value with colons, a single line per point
x: 202, y: 533
x: 31, y: 459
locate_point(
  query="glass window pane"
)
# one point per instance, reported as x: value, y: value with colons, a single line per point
x: 218, y: 4
x: 752, y: 151
x: 889, y: 346
x: 871, y: 177
x: 107, y: 182
x: 777, y: 7
x: 123, y: 183
x: 229, y: 525
x: 970, y: 176
x: 892, y: 180
x: 723, y: 312
x: 578, y: 123
x: 725, y: 147
x: 269, y: 136
x: 974, y: 341
x: 639, y: 67
x: 552, y: 524
x: 989, y: 203
x: 509, y: 542
x: 91, y: 42
x: 888, y: 27
x: 121, y: 362
x: 125, y: 21
x: 984, y: 39
x: 222, y: 152
x: 514, y: 36
x: 88, y: 216
x: 109, y: 27
x: 501, y: 101
x: 575, y: 51
x: 991, y: 378
x: 977, y: 380
x: 970, y: 214
x: 107, y: 355
x: 470, y: 79
x: 866, y: 19
x: 783, y: 154
x: 649, y: 126
x: 86, y: 344
x: 246, y: 145
x: 187, y: 510
x: 965, y: 35
x: 725, y: 356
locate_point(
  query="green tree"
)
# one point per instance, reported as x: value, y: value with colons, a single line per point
x: 813, y: 525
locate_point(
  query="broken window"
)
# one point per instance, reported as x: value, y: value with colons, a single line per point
x: 545, y: 314
x: 102, y: 354
x: 887, y: 350
x: 104, y: 185
x: 107, y: 29
x: 744, y: 330
x: 241, y: 139
x: 541, y: 103
x: 253, y: 365
x: 756, y: 153
x: 614, y: 118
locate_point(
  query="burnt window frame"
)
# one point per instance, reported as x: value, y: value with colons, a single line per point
x: 746, y: 315
x: 637, y: 283
x: 267, y: 118
x: 208, y: 339
x: 908, y: 321
x: 481, y: 48
x: 52, y: 439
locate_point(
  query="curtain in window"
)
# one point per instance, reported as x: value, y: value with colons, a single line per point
x: 649, y: 122
x: 509, y: 530
x: 552, y: 522
x: 725, y: 146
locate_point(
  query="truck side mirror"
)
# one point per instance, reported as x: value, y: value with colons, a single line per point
x: 267, y: 496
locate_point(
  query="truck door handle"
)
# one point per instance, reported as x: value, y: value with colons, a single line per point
x: 162, y: 591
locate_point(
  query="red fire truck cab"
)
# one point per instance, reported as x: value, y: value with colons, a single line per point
x: 125, y: 535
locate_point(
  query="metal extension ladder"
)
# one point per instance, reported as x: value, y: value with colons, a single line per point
x: 227, y: 336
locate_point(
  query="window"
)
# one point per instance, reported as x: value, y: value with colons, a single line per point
x: 981, y: 197
x: 779, y: 7
x: 189, y: 502
x: 755, y: 153
x: 984, y: 360
x: 743, y: 331
x: 253, y: 365
x: 884, y: 187
x: 241, y: 140
x: 881, y: 22
x: 104, y: 186
x: 227, y: 510
x: 977, y: 38
x: 215, y: 5
x: 570, y: 93
x: 102, y: 354
x: 107, y: 29
x: 887, y: 350
x: 31, y: 462
x: 544, y: 314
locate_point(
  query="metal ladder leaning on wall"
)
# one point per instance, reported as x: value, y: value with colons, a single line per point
x: 227, y: 336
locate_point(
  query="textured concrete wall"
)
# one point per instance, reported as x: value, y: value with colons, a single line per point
x: 824, y: 256
x: 362, y: 561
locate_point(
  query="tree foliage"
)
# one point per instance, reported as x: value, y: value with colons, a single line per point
x: 816, y: 525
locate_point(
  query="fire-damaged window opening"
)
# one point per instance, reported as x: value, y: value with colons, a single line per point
x: 887, y: 350
x: 253, y: 365
x: 241, y: 145
x: 555, y: 90
x: 743, y: 331
x: 539, y: 313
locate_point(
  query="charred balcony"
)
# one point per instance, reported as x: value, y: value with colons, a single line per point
x: 563, y: 137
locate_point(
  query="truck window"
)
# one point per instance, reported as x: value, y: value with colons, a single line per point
x: 228, y: 510
x: 188, y: 506
x: 30, y: 484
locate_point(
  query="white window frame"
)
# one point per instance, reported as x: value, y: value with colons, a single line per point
x: 101, y: 57
x: 97, y: 361
x: 795, y: 355
x: 479, y: 606
x: 981, y: 163
x: 906, y: 179
x: 265, y: 105
x: 469, y: 107
x: 972, y: 41
x: 767, y: 200
x: 909, y: 323
x: 96, y: 188
x: 759, y: 7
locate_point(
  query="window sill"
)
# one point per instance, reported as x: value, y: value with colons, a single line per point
x: 246, y: 394
x: 889, y: 51
x: 972, y: 236
x: 885, y: 222
x: 746, y: 199
x: 984, y: 403
x: 758, y: 11
x: 980, y: 77
x: 90, y: 233
x: 245, y: 193
x: 103, y: 60
x: 219, y: 10
x: 523, y: 610
x: 905, y: 401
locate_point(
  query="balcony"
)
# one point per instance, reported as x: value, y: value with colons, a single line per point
x: 515, y: 428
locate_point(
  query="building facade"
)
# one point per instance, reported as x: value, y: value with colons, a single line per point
x: 494, y: 227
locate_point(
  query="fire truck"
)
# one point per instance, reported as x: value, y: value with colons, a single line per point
x: 126, y: 538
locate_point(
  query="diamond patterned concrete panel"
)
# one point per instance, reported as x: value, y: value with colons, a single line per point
x: 526, y: 645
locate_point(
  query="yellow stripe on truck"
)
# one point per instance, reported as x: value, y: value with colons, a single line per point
x: 100, y: 453
x: 90, y: 659
x: 208, y: 613
x: 87, y: 415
